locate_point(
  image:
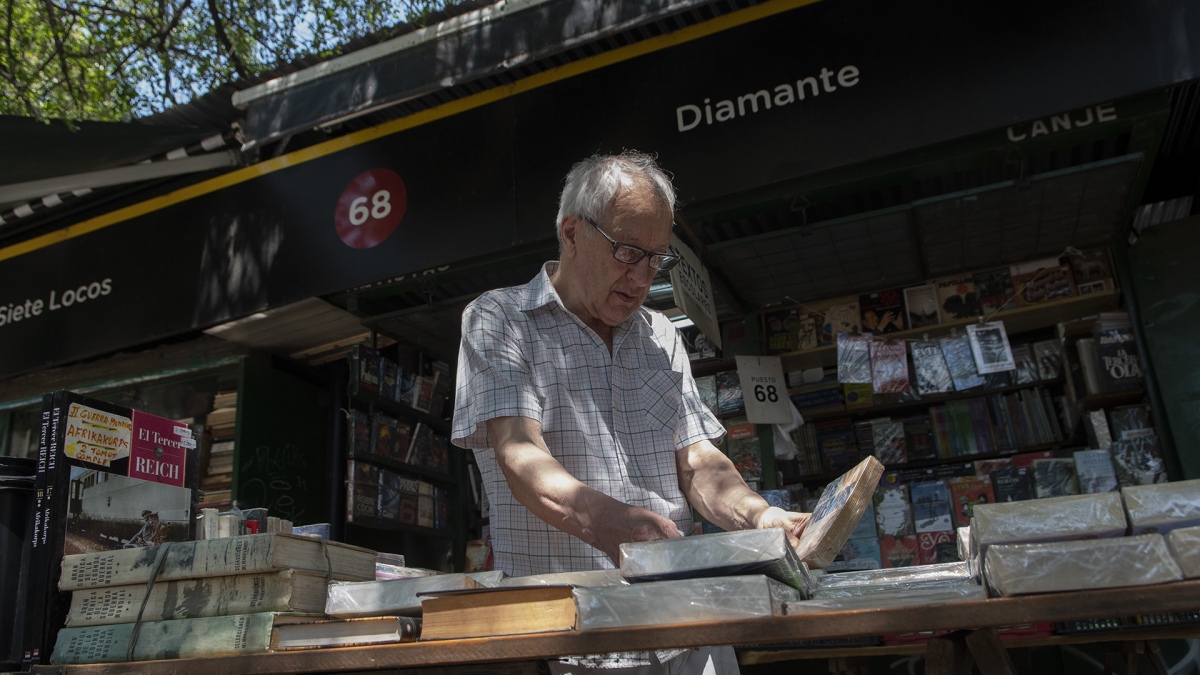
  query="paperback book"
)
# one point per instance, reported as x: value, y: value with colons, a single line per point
x: 995, y: 290
x: 898, y: 551
x: 882, y: 311
x: 1044, y: 285
x: 893, y: 511
x: 841, y: 317
x: 1054, y: 477
x: 854, y: 358
x: 960, y: 361
x: 889, y: 366
x: 931, y: 506
x: 922, y: 306
x: 1095, y: 471
x: 958, y: 297
x: 989, y: 345
x: 836, y: 513
x: 1120, y: 367
x: 931, y: 374
x: 966, y: 494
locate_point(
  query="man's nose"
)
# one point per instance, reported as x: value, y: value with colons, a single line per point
x: 641, y: 272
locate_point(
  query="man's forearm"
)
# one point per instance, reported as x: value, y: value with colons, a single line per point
x: 716, y: 490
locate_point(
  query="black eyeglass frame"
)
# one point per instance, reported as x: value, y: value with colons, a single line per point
x: 660, y: 262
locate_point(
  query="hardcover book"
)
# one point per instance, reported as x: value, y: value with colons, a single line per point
x: 837, y: 512
x: 995, y: 290
x: 882, y: 311
x: 989, y: 345
x: 931, y: 506
x: 216, y: 557
x: 958, y: 298
x: 961, y: 362
x: 921, y: 303
x: 282, y: 591
x: 178, y: 638
x: 486, y: 612
x: 930, y: 371
x: 320, y: 632
x: 1116, y: 351
x: 889, y: 366
x: 854, y: 358
x: 109, y: 478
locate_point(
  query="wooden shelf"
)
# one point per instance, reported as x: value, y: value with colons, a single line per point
x: 1019, y: 320
x: 402, y: 467
x: 397, y: 408
x: 1109, y: 399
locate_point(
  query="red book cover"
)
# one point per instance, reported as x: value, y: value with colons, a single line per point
x: 927, y: 546
x: 889, y: 366
x: 965, y: 493
x: 898, y: 551
x: 159, y: 450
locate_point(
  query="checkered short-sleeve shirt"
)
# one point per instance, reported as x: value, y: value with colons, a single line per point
x: 614, y: 422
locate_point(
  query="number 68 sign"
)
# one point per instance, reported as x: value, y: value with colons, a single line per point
x: 370, y: 208
x: 764, y: 389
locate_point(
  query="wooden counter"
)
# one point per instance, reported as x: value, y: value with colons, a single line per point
x: 970, y: 615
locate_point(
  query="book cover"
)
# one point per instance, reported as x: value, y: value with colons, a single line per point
x: 995, y: 290
x: 918, y: 438
x: 420, y: 447
x: 957, y: 297
x: 114, y: 478
x: 1095, y: 471
x: 486, y: 612
x: 966, y: 494
x: 936, y: 547
x: 837, y: 445
x: 1092, y: 270
x: 921, y: 305
x: 384, y: 440
x: 742, y: 446
x: 173, y: 639
x: 757, y: 551
x: 359, y: 433
x: 1044, y: 285
x: 1054, y: 477
x: 389, y: 378
x: 699, y: 347
x: 729, y: 393
x: 1138, y: 460
x: 841, y: 505
x: 364, y: 371
x: 1116, y: 351
x: 882, y: 311
x: 989, y: 345
x: 893, y: 511
x: 856, y: 395
x: 960, y: 360
x: 321, y: 632
x: 931, y: 506
x: 889, y: 442
x: 931, y: 374
x: 362, y: 490
x: 281, y: 591
x: 216, y: 557
x: 1048, y: 356
x: 1013, y: 484
x: 683, y: 601
x: 1126, y: 422
x: 782, y: 330
x: 840, y: 317
x: 854, y: 358
x: 898, y: 551
x: 1026, y: 364
x: 889, y: 366
x: 858, y: 553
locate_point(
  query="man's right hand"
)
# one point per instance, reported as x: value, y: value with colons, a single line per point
x: 617, y: 523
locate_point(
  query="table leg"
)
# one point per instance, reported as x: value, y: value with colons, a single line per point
x: 989, y: 652
x: 947, y: 655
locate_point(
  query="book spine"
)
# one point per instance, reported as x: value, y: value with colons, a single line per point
x: 191, y: 598
x: 39, y: 561
x: 182, y: 638
x: 205, y: 558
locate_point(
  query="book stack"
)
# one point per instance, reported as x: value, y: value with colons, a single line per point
x: 108, y: 478
x: 200, y: 598
x: 217, y: 465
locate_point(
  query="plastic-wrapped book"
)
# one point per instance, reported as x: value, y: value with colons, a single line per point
x: 895, y: 579
x: 1162, y: 507
x: 1053, y: 519
x: 1185, y: 546
x: 1017, y: 569
x: 765, y: 551
x: 585, y: 578
x: 839, y: 509
x: 389, y: 596
x: 683, y: 601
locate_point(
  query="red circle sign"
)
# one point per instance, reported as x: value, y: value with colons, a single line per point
x: 370, y: 208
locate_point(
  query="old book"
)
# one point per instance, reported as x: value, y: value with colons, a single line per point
x: 178, y: 638
x: 683, y: 601
x: 321, y: 632
x: 1094, y: 471
x: 485, y: 612
x: 763, y: 551
x: 1016, y: 569
x: 282, y: 591
x: 217, y: 557
x: 1055, y: 519
x: 837, y: 512
x: 931, y: 375
x: 349, y: 599
x: 1185, y: 546
x: 1160, y: 508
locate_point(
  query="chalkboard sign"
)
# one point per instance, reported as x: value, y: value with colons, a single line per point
x: 282, y: 437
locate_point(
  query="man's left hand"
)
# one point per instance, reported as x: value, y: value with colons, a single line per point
x: 792, y: 522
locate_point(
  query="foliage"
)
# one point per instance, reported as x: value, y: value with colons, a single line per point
x: 111, y: 60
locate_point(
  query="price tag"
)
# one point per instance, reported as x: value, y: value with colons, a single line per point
x: 764, y: 390
x: 370, y: 208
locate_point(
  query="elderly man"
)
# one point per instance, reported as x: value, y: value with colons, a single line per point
x: 580, y: 404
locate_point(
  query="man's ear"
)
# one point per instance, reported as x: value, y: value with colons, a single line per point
x: 569, y: 235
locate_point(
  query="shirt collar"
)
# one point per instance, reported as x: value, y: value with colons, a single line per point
x: 540, y: 292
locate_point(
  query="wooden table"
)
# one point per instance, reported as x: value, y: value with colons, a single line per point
x: 973, y: 617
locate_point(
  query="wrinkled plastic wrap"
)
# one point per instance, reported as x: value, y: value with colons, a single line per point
x: 1162, y: 507
x: 348, y: 599
x: 838, y: 512
x: 490, y: 578
x: 867, y: 582
x: 766, y: 551
x: 913, y: 597
x: 1185, y: 546
x: 967, y: 551
x: 1052, y: 519
x: 683, y: 601
x: 586, y: 579
x: 1018, y: 569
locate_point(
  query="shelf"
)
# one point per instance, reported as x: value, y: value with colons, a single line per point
x: 1019, y: 320
x: 424, y: 472
x: 926, y: 401
x: 938, y: 461
x: 393, y: 526
x: 1109, y: 399
x: 397, y: 408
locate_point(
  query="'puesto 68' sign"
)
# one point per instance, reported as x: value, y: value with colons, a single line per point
x: 30, y: 308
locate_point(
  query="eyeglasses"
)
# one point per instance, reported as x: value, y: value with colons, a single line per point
x: 631, y: 255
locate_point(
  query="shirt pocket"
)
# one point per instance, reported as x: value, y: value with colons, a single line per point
x: 660, y: 397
